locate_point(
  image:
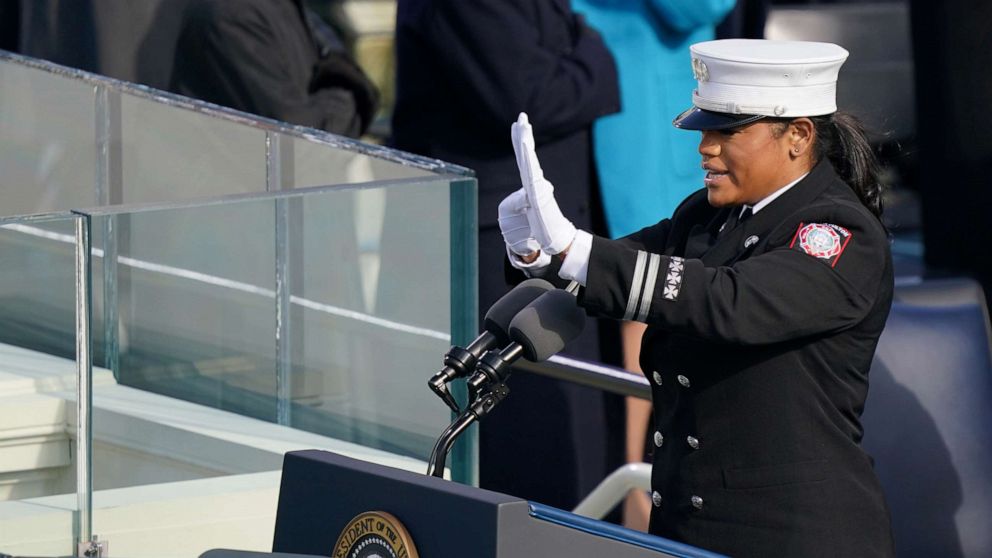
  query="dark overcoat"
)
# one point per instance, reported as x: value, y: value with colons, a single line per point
x: 273, y: 58
x: 465, y: 70
x: 758, y: 347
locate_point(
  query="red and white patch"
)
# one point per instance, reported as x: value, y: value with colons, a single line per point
x: 821, y: 240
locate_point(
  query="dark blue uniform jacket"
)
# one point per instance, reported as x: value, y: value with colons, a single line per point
x: 759, y: 343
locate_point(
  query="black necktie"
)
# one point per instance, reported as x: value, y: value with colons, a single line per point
x: 736, y: 216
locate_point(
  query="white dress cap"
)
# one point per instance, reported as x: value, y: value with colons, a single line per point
x: 768, y: 78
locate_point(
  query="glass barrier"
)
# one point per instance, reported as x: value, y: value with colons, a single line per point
x: 251, y: 327
x: 314, y: 164
x: 47, y: 133
x: 367, y: 296
x: 38, y: 451
x: 241, y: 308
x: 170, y: 154
x: 74, y: 140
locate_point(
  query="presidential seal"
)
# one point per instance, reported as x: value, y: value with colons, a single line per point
x: 374, y: 534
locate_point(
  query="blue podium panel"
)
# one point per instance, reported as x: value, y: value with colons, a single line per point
x: 603, y: 530
x: 322, y: 493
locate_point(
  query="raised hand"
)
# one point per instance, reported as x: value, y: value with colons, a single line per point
x: 547, y: 224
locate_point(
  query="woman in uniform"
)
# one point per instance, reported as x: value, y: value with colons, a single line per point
x: 764, y: 295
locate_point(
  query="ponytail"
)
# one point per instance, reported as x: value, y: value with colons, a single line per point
x: 840, y: 137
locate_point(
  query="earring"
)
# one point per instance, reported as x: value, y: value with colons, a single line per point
x: 796, y: 150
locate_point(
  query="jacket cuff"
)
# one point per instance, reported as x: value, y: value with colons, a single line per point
x: 575, y: 267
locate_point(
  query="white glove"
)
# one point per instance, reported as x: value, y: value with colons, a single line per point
x: 516, y: 232
x: 514, y: 225
x: 548, y: 226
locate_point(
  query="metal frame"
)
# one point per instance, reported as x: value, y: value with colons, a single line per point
x: 84, y: 386
x: 274, y: 183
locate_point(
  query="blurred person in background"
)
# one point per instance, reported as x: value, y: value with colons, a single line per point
x: 745, y: 21
x: 464, y: 68
x: 952, y: 51
x: 274, y: 58
x: 10, y: 19
x: 646, y: 166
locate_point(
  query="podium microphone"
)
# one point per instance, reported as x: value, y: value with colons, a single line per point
x: 459, y: 362
x: 537, y: 332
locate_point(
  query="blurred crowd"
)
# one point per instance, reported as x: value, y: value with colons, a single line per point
x: 602, y: 81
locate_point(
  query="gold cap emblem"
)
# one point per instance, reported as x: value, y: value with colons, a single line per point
x: 699, y: 70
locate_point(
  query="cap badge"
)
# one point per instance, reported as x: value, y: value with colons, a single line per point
x: 699, y: 70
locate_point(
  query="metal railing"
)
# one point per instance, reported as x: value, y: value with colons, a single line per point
x: 600, y: 376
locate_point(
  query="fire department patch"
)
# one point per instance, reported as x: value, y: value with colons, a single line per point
x: 821, y: 240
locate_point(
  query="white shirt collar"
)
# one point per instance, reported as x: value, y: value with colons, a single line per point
x: 771, y: 197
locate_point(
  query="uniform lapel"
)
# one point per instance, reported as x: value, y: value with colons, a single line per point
x: 739, y: 242
x: 703, y: 237
x: 727, y: 246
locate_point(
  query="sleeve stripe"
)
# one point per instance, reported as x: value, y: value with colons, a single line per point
x: 635, y: 285
x: 652, y: 278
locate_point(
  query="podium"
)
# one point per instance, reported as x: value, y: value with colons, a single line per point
x: 322, y: 493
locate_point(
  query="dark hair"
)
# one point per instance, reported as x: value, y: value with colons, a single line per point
x: 841, y: 138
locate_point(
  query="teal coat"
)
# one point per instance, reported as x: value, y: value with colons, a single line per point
x: 646, y: 166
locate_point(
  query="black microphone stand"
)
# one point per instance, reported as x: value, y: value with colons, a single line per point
x: 478, y: 409
x: 457, y: 363
x: 487, y: 387
x: 492, y: 369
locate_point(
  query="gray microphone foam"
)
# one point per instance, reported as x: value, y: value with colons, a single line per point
x: 503, y: 310
x: 547, y: 324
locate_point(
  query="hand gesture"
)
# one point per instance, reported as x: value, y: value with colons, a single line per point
x: 548, y: 226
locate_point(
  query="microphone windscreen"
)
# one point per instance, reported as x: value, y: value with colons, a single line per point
x: 503, y: 310
x: 547, y: 324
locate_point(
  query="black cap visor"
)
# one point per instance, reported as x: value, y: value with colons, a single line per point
x: 699, y: 119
